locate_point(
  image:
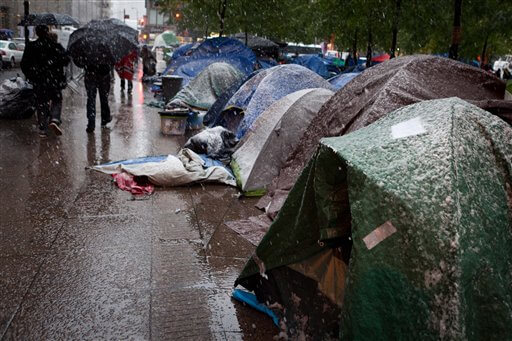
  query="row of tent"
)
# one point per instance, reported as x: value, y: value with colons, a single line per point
x: 188, y: 60
x: 377, y: 229
x: 387, y: 201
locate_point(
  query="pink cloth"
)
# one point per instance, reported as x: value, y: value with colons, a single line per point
x: 126, y: 182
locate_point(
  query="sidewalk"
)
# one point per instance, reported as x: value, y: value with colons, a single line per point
x: 80, y: 259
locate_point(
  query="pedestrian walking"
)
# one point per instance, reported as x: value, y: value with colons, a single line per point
x: 97, y: 80
x: 43, y: 64
x: 125, y: 69
x: 148, y: 62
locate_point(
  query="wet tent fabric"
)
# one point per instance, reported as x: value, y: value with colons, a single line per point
x: 213, y: 114
x: 265, y: 88
x: 425, y: 196
x: 166, y: 39
x: 342, y: 79
x: 190, y: 61
x: 208, y: 86
x: 273, y: 136
x: 314, y: 63
x: 380, y: 90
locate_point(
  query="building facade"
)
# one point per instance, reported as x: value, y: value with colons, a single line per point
x: 154, y: 21
x: 12, y: 11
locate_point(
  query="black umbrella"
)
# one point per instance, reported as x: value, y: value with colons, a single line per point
x: 48, y: 19
x: 103, y: 41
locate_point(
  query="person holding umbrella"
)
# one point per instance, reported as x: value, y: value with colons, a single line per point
x: 97, y: 47
x: 97, y: 80
x: 43, y: 63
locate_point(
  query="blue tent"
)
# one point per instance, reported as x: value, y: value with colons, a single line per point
x: 266, y: 87
x: 339, y: 81
x: 182, y: 50
x: 189, y: 60
x: 314, y: 63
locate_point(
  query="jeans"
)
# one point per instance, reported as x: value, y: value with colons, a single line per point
x: 100, y: 84
x: 48, y: 105
x: 130, y: 84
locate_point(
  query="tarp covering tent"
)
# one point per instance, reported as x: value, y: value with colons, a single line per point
x: 266, y: 87
x: 273, y: 137
x: 382, y: 89
x: 314, y: 63
x: 206, y: 88
x: 195, y: 59
x: 183, y: 50
x: 420, y: 204
x: 166, y: 39
x: 342, y: 79
x: 261, y: 46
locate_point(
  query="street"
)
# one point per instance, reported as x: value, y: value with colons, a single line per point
x: 81, y: 259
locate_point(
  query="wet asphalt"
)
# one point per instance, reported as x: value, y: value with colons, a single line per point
x: 81, y: 259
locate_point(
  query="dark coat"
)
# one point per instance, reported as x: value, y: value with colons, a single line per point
x: 43, y: 64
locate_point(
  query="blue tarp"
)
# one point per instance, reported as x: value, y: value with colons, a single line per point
x: 266, y: 63
x: 314, y: 63
x: 252, y: 301
x: 182, y: 50
x: 339, y: 81
x: 266, y: 87
x: 191, y: 69
x: 189, y: 60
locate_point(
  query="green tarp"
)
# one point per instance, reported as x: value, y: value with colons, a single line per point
x: 425, y: 197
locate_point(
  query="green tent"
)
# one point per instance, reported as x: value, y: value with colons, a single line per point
x: 166, y: 39
x: 403, y: 228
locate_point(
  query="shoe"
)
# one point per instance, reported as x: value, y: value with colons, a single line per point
x: 90, y: 129
x: 55, y: 128
x: 105, y: 122
x: 43, y: 134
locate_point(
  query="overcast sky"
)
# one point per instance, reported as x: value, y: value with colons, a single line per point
x: 132, y: 7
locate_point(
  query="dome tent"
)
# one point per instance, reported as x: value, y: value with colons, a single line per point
x: 273, y: 137
x: 206, y: 87
x: 420, y: 204
x: 265, y: 88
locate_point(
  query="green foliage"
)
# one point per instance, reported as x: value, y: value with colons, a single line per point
x: 424, y: 26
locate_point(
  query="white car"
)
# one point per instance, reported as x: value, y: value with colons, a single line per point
x: 11, y: 53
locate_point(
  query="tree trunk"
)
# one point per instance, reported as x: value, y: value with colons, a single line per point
x: 456, y: 33
x: 222, y: 14
x: 398, y: 4
x: 483, y: 58
x: 354, y: 47
x: 369, y: 49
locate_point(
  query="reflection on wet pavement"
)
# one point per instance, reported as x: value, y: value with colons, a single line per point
x: 80, y: 259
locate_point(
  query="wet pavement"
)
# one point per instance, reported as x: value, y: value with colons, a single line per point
x: 81, y: 259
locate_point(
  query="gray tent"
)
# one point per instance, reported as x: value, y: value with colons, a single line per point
x: 273, y: 137
x: 207, y: 86
x: 382, y: 89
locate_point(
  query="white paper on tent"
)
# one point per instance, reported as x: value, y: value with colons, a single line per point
x: 407, y: 128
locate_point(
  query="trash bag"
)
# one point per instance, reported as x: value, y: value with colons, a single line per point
x: 217, y: 143
x: 16, y: 99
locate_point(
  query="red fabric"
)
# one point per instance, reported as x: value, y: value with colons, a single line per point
x: 126, y: 182
x: 126, y: 67
x: 381, y: 58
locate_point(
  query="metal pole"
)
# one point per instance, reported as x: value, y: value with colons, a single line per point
x: 26, y: 12
x: 124, y: 15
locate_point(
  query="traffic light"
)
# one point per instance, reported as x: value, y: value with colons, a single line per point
x: 127, y: 16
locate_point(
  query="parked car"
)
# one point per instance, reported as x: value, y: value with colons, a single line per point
x: 10, y: 52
